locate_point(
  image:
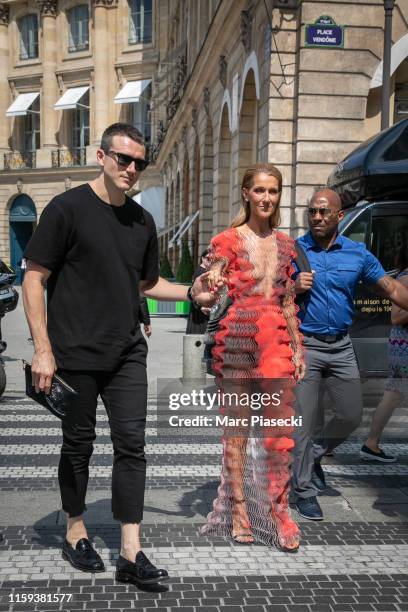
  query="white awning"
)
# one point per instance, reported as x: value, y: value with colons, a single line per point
x: 131, y: 92
x: 399, y: 51
x: 166, y: 230
x: 70, y: 98
x: 184, y: 227
x: 21, y: 104
x: 153, y: 199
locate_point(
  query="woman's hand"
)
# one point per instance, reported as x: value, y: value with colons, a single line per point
x: 202, y: 293
x: 299, y: 363
x: 215, y: 279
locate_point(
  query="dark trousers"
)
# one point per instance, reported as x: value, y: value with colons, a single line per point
x: 338, y: 365
x: 124, y: 394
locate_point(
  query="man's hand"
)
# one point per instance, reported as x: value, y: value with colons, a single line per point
x: 203, y: 293
x: 303, y: 282
x: 43, y: 367
x: 148, y: 330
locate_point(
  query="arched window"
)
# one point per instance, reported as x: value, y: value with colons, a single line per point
x: 22, y: 221
x: 78, y: 20
x: 28, y: 26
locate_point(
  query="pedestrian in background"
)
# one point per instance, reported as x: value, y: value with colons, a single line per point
x: 397, y: 384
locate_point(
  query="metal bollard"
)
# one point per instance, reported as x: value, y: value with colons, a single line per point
x: 193, y: 350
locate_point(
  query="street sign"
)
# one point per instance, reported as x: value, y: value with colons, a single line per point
x: 324, y: 32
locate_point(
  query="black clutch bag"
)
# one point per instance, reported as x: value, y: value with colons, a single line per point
x: 59, y: 398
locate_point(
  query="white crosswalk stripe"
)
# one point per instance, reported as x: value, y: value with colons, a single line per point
x: 49, y: 418
x: 36, y: 418
x: 349, y: 447
x: 106, y: 449
x: 200, y: 470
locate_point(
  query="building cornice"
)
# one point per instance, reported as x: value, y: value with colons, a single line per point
x: 48, y: 8
x: 105, y: 3
x: 29, y: 79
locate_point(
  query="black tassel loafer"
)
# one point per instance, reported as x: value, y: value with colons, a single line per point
x: 83, y: 556
x: 141, y: 572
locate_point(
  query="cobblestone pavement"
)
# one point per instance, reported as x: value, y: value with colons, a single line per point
x: 356, y: 559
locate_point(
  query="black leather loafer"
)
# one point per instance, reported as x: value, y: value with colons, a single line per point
x: 141, y: 572
x: 83, y: 556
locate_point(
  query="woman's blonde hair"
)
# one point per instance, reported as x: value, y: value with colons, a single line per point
x: 247, y: 182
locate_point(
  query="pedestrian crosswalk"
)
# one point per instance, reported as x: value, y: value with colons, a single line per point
x: 28, y: 431
x: 350, y: 548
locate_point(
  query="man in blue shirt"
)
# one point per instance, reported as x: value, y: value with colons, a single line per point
x: 337, y: 264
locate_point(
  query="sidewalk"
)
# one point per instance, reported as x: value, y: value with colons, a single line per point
x: 356, y: 559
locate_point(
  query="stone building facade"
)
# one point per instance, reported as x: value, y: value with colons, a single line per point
x: 217, y: 84
x: 68, y: 68
x: 230, y: 90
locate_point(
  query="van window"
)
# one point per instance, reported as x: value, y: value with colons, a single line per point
x: 399, y: 149
x: 359, y: 229
x: 387, y: 234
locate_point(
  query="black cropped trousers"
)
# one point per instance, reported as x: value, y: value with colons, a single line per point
x: 124, y: 395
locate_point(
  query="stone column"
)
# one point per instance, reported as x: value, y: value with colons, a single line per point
x: 102, y: 53
x: 50, y: 89
x: 4, y: 86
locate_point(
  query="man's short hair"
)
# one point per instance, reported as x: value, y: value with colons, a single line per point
x: 120, y: 129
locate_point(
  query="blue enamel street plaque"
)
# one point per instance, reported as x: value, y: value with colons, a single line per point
x: 324, y: 32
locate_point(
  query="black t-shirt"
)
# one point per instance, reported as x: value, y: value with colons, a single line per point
x: 97, y: 254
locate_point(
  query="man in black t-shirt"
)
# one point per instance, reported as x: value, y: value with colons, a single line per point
x: 95, y: 249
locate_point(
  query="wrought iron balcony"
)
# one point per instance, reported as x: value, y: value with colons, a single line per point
x: 170, y: 80
x: 64, y: 158
x: 16, y: 160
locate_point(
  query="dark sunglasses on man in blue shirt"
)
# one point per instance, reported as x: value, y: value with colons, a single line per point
x: 124, y: 160
x: 325, y: 212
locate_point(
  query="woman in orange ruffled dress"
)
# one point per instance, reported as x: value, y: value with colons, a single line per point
x: 257, y: 341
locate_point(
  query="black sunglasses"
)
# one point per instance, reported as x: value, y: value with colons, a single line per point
x: 124, y: 160
x: 325, y: 212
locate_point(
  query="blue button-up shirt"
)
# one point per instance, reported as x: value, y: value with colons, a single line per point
x: 338, y: 269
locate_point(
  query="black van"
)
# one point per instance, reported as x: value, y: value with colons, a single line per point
x: 373, y: 184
